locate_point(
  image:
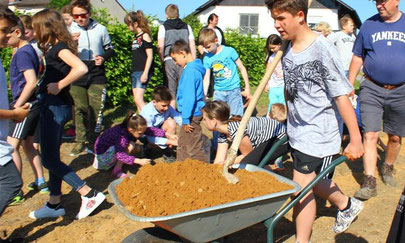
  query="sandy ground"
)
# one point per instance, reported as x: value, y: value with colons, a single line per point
x: 107, y: 224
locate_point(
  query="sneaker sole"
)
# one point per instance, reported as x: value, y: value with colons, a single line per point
x: 15, y: 203
x: 89, y: 151
x: 362, y: 197
x: 102, y: 198
x: 389, y: 182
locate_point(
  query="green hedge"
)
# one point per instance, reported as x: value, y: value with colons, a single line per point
x: 118, y: 67
x: 250, y: 49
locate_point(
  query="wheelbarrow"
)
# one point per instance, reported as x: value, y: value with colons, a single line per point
x: 213, y: 223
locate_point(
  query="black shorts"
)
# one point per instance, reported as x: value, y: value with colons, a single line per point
x: 28, y: 127
x: 306, y: 164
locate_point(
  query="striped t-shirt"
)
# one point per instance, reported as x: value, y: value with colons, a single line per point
x: 259, y: 130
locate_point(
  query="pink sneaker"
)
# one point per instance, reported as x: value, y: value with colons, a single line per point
x: 70, y: 133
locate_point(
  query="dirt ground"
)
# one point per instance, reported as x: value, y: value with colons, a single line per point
x: 107, y: 224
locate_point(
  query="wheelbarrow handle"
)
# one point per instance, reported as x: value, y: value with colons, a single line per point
x: 273, y: 148
x: 271, y: 222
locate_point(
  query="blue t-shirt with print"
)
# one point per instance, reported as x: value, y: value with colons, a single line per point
x: 224, y: 68
x: 382, y: 47
x: 24, y: 59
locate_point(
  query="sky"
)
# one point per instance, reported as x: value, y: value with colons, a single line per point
x: 364, y: 8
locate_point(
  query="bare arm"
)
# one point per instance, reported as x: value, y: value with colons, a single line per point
x: 206, y: 81
x: 245, y: 77
x: 29, y: 88
x: 191, y: 43
x: 161, y: 45
x: 354, y: 68
x: 18, y: 114
x: 245, y: 148
x: 200, y: 49
x: 149, y: 59
x: 221, y: 153
x: 78, y: 69
x: 354, y: 149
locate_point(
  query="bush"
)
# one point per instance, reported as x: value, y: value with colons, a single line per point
x: 250, y: 49
x: 118, y: 68
x: 251, y: 53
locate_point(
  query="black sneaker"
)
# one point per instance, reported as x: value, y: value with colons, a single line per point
x: 18, y: 199
x: 42, y: 188
x: 169, y: 155
x: 169, y: 159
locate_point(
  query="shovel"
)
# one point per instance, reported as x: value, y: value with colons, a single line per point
x: 232, y: 152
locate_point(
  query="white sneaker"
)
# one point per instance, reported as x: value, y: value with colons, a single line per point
x: 345, y: 218
x: 47, y: 212
x: 90, y: 204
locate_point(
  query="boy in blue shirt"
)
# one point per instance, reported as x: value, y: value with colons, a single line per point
x: 158, y: 113
x: 24, y: 68
x: 10, y: 179
x: 224, y: 62
x: 190, y: 100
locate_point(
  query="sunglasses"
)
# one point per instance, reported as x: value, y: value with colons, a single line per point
x: 83, y: 16
x: 382, y: 2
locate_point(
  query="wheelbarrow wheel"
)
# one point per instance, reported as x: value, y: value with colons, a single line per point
x: 152, y: 235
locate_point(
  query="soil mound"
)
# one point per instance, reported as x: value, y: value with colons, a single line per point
x: 165, y: 189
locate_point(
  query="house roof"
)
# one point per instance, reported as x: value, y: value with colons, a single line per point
x: 23, y: 3
x: 346, y: 9
x: 343, y: 8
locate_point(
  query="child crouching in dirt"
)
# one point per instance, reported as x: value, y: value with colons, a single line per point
x: 260, y: 134
x: 115, y: 146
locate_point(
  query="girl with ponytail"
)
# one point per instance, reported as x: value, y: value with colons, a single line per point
x: 117, y: 145
x: 142, y: 55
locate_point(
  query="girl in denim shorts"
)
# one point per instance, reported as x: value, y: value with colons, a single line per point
x: 142, y: 55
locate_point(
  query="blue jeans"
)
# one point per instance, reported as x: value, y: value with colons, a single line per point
x: 136, y: 80
x: 54, y: 114
x: 233, y: 98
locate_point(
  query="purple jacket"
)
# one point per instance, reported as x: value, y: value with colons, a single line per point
x: 119, y: 137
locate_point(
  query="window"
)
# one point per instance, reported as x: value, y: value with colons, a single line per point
x: 248, y: 23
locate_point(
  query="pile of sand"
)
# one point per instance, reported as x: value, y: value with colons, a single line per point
x: 164, y: 189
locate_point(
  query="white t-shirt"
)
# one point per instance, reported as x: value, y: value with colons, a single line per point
x: 219, y: 35
x: 313, y: 77
x: 277, y: 78
x: 344, y: 44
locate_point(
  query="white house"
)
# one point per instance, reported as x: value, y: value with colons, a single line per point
x: 114, y: 8
x: 252, y: 16
x: 27, y: 6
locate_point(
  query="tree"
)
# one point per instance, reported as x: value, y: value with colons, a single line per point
x: 57, y: 4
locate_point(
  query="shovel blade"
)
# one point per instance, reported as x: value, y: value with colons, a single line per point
x: 230, y: 177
